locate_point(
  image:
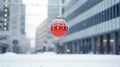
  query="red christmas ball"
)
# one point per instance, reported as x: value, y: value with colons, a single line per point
x: 59, y: 27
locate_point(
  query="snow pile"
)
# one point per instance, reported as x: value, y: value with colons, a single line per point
x: 50, y: 59
x: 46, y: 53
x: 9, y: 53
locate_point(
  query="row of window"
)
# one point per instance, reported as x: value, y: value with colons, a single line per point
x: 1, y: 20
x: 104, y: 44
x: 1, y: 4
x: 103, y: 16
x: 89, y: 4
x: 1, y: 13
x: 79, y: 47
x: 69, y: 5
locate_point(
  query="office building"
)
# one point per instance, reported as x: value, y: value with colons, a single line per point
x: 18, y: 40
x: 41, y: 36
x: 23, y: 19
x: 94, y: 27
x: 4, y: 24
x: 12, y: 27
x: 54, y: 10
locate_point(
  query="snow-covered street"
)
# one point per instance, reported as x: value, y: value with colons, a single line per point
x: 58, y: 60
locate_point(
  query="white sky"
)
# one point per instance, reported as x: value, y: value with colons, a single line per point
x: 36, y: 12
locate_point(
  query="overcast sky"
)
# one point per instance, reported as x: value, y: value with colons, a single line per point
x: 36, y: 13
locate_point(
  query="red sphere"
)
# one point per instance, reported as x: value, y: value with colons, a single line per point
x: 59, y: 27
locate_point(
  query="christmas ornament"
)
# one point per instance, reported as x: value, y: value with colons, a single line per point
x: 59, y: 27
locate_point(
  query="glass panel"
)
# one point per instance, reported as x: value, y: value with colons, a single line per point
x: 119, y: 42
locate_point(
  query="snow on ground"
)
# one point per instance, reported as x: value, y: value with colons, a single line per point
x: 58, y: 60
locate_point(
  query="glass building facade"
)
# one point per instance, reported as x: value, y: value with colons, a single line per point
x: 94, y: 27
x: 53, y: 10
x: 23, y: 19
x: 1, y: 14
x: 4, y: 19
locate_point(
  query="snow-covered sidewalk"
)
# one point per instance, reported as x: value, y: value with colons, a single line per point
x: 58, y: 60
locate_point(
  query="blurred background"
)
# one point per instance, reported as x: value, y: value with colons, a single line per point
x: 94, y: 26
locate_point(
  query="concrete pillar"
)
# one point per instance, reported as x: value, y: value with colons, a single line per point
x: 94, y: 43
x: 68, y: 49
x: 86, y: 46
x: 57, y: 49
x: 83, y: 46
x: 73, y: 48
x: 89, y: 45
x: 65, y: 48
x: 78, y: 47
x: 116, y: 49
x: 108, y: 44
x: 101, y: 49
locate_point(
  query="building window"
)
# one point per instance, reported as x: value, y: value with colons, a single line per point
x: 112, y: 45
x: 108, y: 46
x: 103, y: 16
x: 89, y: 4
x: 119, y: 42
x: 1, y: 28
x: 1, y: 21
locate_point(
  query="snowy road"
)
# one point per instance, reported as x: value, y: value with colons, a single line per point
x: 54, y: 60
